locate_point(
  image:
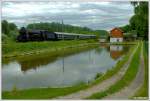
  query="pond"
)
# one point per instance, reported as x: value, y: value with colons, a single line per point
x: 60, y: 70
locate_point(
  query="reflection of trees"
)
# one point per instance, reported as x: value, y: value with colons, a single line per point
x: 34, y: 62
x: 108, y: 49
x: 105, y: 46
x: 98, y: 50
x: 126, y: 49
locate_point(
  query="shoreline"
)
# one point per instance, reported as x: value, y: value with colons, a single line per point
x: 48, y: 49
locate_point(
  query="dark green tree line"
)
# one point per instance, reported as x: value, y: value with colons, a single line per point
x: 58, y: 27
x: 139, y: 21
x: 9, y: 30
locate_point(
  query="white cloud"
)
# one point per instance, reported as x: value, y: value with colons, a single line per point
x: 75, y: 13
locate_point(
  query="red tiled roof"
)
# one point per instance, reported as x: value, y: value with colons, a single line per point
x: 116, y: 32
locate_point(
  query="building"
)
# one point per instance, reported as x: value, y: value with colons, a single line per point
x: 116, y: 35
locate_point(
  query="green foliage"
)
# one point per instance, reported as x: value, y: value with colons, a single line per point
x: 9, y: 31
x: 125, y: 28
x: 98, y: 75
x: 41, y: 93
x: 102, y: 33
x: 15, y: 49
x: 139, y: 21
x: 57, y: 27
x: 14, y: 90
x: 5, y: 27
x: 12, y: 26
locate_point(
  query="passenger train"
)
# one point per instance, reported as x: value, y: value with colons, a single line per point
x: 43, y: 35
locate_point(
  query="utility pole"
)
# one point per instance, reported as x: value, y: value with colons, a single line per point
x: 63, y: 48
x: 62, y: 24
x: 34, y: 24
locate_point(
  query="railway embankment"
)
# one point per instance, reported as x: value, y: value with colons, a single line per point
x: 16, y: 49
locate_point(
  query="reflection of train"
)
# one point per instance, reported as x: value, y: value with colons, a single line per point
x: 41, y: 35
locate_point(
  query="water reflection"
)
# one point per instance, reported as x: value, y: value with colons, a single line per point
x: 116, y: 51
x: 61, y: 69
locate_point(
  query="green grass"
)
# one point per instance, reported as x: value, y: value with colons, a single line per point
x: 46, y: 93
x: 143, y: 91
x: 125, y: 80
x: 12, y: 48
x: 41, y: 93
x: 50, y: 55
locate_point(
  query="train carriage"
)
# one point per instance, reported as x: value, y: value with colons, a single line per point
x: 42, y: 35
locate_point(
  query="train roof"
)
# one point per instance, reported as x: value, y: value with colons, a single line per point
x: 35, y: 30
x: 64, y: 33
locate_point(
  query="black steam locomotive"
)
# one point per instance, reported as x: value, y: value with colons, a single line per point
x: 43, y: 35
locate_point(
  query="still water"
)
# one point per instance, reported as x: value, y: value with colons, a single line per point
x: 60, y: 71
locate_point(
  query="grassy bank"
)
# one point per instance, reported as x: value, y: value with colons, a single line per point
x: 41, y: 93
x: 51, y: 55
x: 124, y: 81
x: 46, y: 93
x: 143, y: 91
x: 11, y: 49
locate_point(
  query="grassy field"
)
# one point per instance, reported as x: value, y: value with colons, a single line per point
x: 12, y: 48
x: 46, y: 93
x: 143, y: 91
x: 125, y: 80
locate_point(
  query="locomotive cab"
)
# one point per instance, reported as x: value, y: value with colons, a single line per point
x: 22, y: 35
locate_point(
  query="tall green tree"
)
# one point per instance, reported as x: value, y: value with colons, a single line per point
x: 5, y: 27
x: 139, y: 21
x: 12, y: 26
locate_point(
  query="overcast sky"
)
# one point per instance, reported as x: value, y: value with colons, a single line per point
x: 95, y: 15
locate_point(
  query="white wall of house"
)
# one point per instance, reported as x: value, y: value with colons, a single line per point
x: 116, y: 47
x: 116, y: 39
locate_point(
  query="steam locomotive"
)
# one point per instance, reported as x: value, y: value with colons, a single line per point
x: 44, y: 35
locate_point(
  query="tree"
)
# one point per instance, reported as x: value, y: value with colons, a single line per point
x: 139, y: 21
x: 12, y: 26
x: 5, y: 27
x: 125, y: 28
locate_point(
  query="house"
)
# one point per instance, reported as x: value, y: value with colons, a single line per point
x: 116, y: 35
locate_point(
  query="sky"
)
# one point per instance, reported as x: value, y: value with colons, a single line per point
x: 95, y: 15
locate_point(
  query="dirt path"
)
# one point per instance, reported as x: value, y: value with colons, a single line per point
x: 130, y: 90
x: 99, y: 87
